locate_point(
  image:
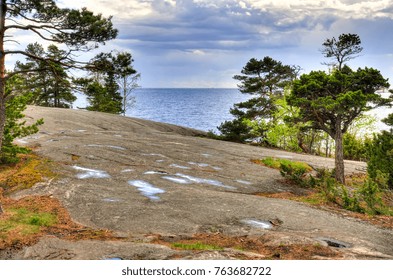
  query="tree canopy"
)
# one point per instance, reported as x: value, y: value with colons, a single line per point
x: 71, y: 29
x: 265, y: 79
x: 331, y: 102
x: 347, y: 47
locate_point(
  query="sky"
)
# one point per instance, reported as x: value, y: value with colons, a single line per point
x: 204, y: 43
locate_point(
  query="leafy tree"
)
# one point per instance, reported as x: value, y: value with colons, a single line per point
x: 77, y: 30
x: 48, y: 81
x: 265, y: 79
x: 333, y: 101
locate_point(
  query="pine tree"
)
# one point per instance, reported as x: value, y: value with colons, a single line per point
x: 265, y: 79
x: 47, y: 80
x: 75, y: 30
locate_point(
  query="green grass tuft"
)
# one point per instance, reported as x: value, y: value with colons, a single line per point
x: 196, y: 246
x: 26, y: 221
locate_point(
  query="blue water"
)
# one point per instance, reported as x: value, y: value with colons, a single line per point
x: 203, y: 109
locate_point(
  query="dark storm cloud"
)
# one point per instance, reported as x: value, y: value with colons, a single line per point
x: 229, y: 27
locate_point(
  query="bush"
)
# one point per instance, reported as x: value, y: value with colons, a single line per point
x: 365, y: 198
x: 381, y: 157
x: 292, y: 170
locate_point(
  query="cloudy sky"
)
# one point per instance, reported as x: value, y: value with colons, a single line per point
x: 203, y: 43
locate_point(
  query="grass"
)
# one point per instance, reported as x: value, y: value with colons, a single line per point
x: 26, y: 221
x: 196, y: 246
x: 278, y: 163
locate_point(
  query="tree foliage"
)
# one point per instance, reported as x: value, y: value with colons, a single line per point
x: 342, y: 50
x: 48, y: 80
x: 333, y: 101
x: 265, y: 79
x: 112, y: 79
x: 71, y: 29
x: 381, y: 154
x: 14, y: 128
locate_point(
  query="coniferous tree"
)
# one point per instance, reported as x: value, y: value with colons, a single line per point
x: 331, y: 102
x: 266, y: 80
x: 47, y: 80
x: 112, y: 79
x: 76, y: 30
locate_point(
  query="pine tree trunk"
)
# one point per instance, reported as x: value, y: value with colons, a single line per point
x: 339, y: 155
x: 2, y: 71
x: 124, y: 95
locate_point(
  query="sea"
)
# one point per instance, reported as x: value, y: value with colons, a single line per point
x: 200, y: 108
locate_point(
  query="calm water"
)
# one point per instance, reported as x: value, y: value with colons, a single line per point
x: 203, y: 109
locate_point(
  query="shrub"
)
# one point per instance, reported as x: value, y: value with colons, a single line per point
x: 381, y: 157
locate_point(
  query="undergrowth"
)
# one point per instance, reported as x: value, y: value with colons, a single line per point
x: 363, y: 195
x: 29, y: 170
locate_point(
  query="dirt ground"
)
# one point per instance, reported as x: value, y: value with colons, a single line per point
x: 150, y: 182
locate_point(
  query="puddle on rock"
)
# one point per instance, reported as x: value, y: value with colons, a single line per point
x: 187, y: 179
x: 334, y: 243
x: 177, y: 180
x: 244, y: 182
x: 90, y: 173
x: 154, y: 155
x: 127, y: 170
x: 198, y: 164
x: 258, y: 223
x: 147, y: 189
x: 155, y: 172
x: 179, y: 166
x: 113, y: 259
x: 204, y: 165
x: 107, y: 146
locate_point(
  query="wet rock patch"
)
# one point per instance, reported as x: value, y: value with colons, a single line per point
x: 334, y: 243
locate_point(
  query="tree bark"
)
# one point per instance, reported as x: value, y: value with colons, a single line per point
x: 339, y: 154
x: 3, y: 8
x: 124, y: 95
